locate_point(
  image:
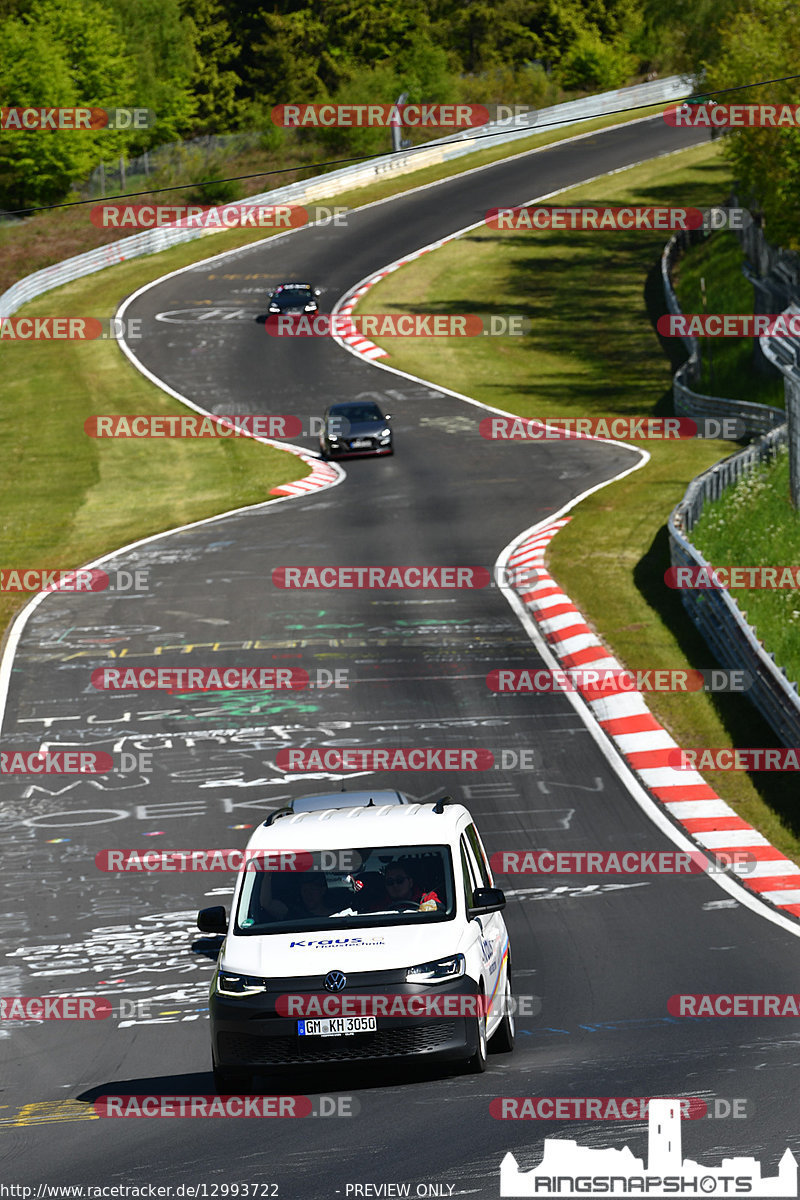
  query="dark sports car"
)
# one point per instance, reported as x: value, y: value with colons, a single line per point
x: 355, y: 427
x: 293, y: 298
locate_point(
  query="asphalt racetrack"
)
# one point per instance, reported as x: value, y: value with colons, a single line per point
x: 602, y: 956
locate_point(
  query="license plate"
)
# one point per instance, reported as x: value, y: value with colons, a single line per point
x: 336, y: 1026
x: 361, y: 443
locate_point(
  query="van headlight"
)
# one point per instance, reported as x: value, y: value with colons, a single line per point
x: 229, y: 984
x: 438, y: 971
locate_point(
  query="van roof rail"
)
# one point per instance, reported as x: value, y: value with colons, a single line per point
x: 279, y: 812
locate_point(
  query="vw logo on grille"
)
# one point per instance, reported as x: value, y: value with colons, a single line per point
x: 334, y: 981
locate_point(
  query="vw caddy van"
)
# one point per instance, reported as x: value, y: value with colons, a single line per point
x: 365, y: 934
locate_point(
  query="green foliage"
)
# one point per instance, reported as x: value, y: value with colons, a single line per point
x: 58, y: 57
x: 766, y: 161
x: 594, y: 64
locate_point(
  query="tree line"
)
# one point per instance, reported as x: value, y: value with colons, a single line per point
x: 219, y: 66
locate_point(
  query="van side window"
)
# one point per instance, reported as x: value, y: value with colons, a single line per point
x: 479, y: 856
x: 468, y: 871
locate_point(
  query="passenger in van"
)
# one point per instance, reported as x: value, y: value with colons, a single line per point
x: 315, y: 900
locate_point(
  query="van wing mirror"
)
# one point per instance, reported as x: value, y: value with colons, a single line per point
x: 212, y: 920
x: 486, y: 900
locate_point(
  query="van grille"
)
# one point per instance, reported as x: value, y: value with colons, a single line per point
x: 247, y: 1049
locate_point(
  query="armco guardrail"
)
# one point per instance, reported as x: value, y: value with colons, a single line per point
x: 784, y: 353
x: 150, y: 241
x: 757, y: 418
x: 715, y: 613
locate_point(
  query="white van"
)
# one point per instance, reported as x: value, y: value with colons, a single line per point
x: 360, y: 934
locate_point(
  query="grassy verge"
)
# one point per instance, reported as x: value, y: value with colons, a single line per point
x: 594, y: 299
x: 754, y: 523
x: 49, y: 237
x: 727, y: 363
x: 65, y: 498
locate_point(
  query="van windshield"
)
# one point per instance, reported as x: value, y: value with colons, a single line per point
x: 388, y: 885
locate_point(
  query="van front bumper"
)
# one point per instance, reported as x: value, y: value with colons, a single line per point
x: 250, y: 1034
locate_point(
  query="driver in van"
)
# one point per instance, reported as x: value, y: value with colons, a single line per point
x: 401, y: 887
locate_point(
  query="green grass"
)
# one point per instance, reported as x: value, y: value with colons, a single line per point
x: 594, y: 299
x: 753, y: 524
x: 727, y: 363
x: 66, y: 498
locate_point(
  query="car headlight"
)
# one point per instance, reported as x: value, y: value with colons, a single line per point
x: 436, y: 972
x: 273, y: 308
x: 229, y: 984
x: 385, y: 434
x: 310, y: 307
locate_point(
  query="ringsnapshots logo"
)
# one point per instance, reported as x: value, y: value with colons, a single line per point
x: 74, y: 119
x: 660, y: 429
x: 569, y: 1170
